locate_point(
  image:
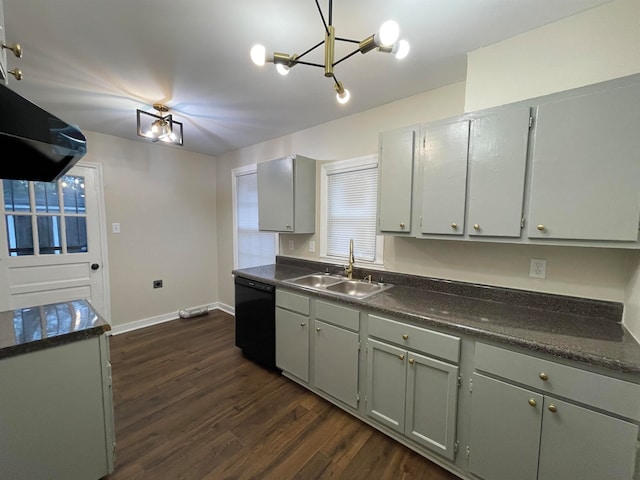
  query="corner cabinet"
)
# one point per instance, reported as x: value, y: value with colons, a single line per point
x: 585, y: 170
x: 287, y: 195
x: 412, y: 382
x: 396, y: 153
x: 569, y: 424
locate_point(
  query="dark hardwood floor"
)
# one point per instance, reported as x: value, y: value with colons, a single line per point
x: 189, y: 406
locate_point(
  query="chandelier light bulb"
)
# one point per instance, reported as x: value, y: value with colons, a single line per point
x: 343, y: 97
x: 258, y: 55
x: 389, y: 32
x: 401, y: 49
x: 282, y: 69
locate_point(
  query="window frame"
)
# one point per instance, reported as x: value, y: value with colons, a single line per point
x: 345, y: 166
x: 235, y: 173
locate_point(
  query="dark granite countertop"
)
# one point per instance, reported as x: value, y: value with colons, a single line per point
x: 34, y: 328
x: 583, y: 330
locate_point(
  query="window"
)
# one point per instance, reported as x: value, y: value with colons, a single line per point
x: 45, y: 218
x: 251, y: 247
x: 349, y: 198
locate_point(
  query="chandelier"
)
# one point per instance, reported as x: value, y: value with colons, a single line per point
x: 159, y: 127
x: 386, y: 40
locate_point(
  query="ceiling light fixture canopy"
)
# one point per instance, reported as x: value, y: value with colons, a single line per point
x: 160, y: 127
x: 385, y: 40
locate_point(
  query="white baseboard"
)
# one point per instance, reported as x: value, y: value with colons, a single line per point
x: 147, y: 322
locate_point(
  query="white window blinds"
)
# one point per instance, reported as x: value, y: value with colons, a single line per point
x: 352, y: 194
x: 253, y: 247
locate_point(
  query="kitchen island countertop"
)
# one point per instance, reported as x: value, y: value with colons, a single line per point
x: 34, y: 328
x: 568, y: 328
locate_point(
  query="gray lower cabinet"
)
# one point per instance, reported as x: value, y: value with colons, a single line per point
x: 523, y: 431
x: 410, y: 392
x: 292, y: 334
x: 56, y: 413
x: 336, y: 350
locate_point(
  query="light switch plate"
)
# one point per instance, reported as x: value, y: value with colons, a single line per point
x: 115, y: 228
x: 312, y: 246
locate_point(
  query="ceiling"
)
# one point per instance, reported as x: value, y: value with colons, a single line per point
x: 94, y: 62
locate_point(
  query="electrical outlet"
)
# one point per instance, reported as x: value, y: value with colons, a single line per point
x: 290, y: 244
x: 115, y: 228
x: 312, y: 246
x: 538, y: 268
x: 157, y: 284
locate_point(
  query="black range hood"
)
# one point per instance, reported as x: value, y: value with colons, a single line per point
x: 35, y: 144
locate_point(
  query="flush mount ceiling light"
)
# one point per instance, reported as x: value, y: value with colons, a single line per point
x: 386, y: 40
x: 159, y: 127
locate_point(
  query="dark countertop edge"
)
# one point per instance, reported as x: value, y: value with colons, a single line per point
x: 579, y: 356
x: 49, y: 342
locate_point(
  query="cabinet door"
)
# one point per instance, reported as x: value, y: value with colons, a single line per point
x: 497, y: 163
x: 386, y: 384
x: 335, y: 362
x: 443, y: 168
x: 585, y: 168
x: 292, y: 343
x: 581, y: 444
x: 275, y: 195
x: 3, y: 52
x: 395, y: 180
x: 52, y: 414
x: 504, y: 430
x: 432, y: 403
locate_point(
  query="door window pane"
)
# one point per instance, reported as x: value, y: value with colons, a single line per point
x: 76, y: 230
x: 63, y: 232
x: 46, y: 194
x: 16, y: 195
x: 73, y: 194
x: 19, y: 235
x: 49, y: 235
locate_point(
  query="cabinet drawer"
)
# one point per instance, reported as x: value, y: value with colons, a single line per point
x: 292, y: 301
x: 418, y: 339
x: 338, y: 315
x: 607, y: 393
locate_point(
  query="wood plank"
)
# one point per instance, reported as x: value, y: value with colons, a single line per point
x: 188, y: 405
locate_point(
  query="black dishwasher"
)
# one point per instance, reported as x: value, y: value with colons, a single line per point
x: 256, y: 321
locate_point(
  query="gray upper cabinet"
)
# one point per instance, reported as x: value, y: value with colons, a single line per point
x: 497, y: 164
x: 396, y: 163
x: 585, y: 169
x: 443, y: 177
x: 287, y: 195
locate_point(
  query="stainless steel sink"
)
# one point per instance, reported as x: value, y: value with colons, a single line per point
x: 339, y: 285
x: 356, y: 288
x: 315, y: 280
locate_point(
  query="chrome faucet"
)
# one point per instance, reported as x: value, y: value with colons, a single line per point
x: 348, y: 269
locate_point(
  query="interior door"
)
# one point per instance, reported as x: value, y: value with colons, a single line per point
x: 51, y: 242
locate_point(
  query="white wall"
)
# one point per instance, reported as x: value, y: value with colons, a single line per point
x: 600, y: 44
x: 165, y: 201
x: 597, y: 45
